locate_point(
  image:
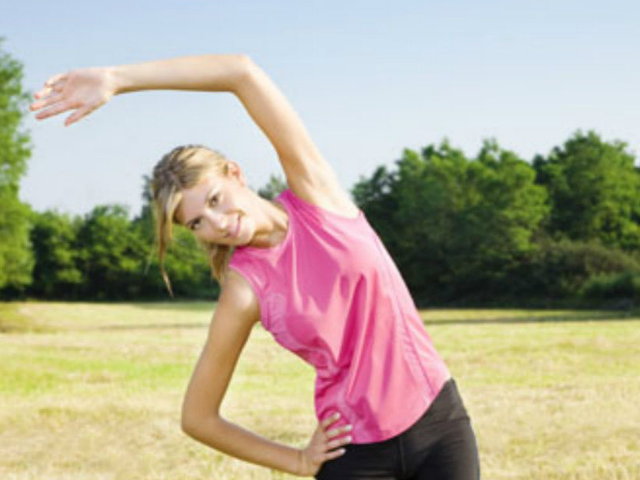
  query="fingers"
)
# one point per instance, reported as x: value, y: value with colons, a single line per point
x: 51, y: 90
x: 43, y: 102
x: 53, y: 110
x: 55, y: 78
x: 337, y: 431
x: 329, y: 420
x: 77, y: 115
x: 53, y: 84
x: 334, y: 432
x: 333, y: 454
x: 42, y: 92
x: 338, y: 442
x: 322, y: 447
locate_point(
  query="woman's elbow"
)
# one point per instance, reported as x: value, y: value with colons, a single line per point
x: 245, y: 59
x: 187, y: 425
x: 194, y: 426
x: 250, y: 71
x: 189, y: 420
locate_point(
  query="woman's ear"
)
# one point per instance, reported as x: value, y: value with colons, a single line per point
x: 234, y: 171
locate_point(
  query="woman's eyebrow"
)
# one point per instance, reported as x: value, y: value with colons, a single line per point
x: 206, y: 199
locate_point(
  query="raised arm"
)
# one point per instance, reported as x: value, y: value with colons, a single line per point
x: 86, y: 89
x: 308, y: 174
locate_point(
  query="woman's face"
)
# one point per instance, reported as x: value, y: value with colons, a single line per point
x: 216, y: 209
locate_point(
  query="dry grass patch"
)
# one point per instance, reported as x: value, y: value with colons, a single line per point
x: 97, y: 393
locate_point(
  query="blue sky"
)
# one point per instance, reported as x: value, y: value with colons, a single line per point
x: 368, y: 79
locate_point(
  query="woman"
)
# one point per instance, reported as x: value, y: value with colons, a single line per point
x: 310, y: 268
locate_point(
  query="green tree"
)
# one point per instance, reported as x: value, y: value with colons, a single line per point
x: 16, y: 260
x: 187, y: 266
x: 273, y: 188
x: 185, y: 262
x: 378, y: 198
x: 56, y: 273
x: 110, y: 254
x: 455, y: 226
x: 593, y: 187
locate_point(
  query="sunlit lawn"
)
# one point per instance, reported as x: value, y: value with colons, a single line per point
x: 94, y: 392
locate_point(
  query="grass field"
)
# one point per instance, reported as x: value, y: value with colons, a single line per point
x: 93, y: 391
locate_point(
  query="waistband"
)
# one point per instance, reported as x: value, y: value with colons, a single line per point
x: 446, y: 407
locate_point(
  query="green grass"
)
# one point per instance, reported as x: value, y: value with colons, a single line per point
x: 94, y: 391
x: 14, y: 320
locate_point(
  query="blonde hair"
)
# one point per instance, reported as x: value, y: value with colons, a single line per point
x: 184, y: 167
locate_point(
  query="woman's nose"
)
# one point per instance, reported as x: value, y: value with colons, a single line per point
x: 220, y: 222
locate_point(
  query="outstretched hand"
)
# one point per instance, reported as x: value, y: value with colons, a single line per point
x: 320, y: 448
x: 84, y: 90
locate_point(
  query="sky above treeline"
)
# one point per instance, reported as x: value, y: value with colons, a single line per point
x: 368, y: 79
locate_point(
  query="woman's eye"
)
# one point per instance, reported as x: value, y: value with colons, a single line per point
x: 195, y: 224
x: 214, y: 199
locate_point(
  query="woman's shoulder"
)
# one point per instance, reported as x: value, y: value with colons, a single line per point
x: 238, y: 293
x: 330, y: 198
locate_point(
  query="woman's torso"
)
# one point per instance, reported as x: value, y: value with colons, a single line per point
x: 331, y: 294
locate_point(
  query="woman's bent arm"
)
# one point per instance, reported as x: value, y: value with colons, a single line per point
x: 235, y: 316
x: 209, y: 73
x: 241, y: 443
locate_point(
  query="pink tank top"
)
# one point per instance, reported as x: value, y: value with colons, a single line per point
x: 331, y: 294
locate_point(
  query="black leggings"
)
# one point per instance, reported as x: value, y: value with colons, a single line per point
x: 441, y: 445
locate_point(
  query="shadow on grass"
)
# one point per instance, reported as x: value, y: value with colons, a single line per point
x: 12, y: 320
x: 593, y: 316
x: 192, y: 306
x: 587, y: 316
x: 159, y: 326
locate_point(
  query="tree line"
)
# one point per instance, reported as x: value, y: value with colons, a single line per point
x: 563, y: 229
